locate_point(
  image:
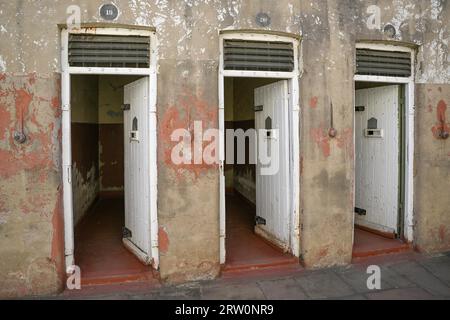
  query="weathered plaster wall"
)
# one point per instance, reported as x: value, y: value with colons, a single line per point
x: 31, y: 251
x: 432, y: 168
x: 85, y: 129
x: 187, y: 91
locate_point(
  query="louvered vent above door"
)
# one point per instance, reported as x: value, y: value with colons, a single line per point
x: 383, y: 63
x: 109, y: 51
x: 258, y: 55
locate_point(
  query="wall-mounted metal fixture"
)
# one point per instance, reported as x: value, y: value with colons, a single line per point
x: 332, y: 132
x: 20, y: 137
x: 361, y: 212
x: 109, y: 12
x: 263, y: 19
x: 389, y: 30
x: 443, y: 129
x: 443, y: 134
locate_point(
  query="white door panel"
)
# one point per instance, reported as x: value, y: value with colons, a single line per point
x: 272, y: 190
x: 137, y: 175
x: 377, y: 158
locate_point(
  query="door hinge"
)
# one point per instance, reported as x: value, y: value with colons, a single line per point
x: 65, y: 107
x: 360, y: 108
x: 361, y: 212
x: 260, y: 220
x: 221, y: 166
x: 259, y: 108
x: 126, y: 233
x: 126, y: 106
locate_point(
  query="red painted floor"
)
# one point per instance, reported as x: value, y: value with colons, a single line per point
x: 99, y: 251
x: 244, y: 249
x: 368, y: 244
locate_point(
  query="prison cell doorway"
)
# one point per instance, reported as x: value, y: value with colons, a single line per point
x: 257, y: 197
x: 379, y: 168
x: 110, y: 156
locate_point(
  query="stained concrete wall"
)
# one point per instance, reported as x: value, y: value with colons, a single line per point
x: 85, y: 169
x: 187, y: 91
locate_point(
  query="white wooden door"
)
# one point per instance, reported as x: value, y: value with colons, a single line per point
x: 137, y: 174
x: 377, y: 157
x: 272, y: 190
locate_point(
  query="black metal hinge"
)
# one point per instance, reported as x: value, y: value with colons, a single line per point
x: 361, y: 212
x: 360, y: 108
x: 259, y: 108
x: 260, y: 220
x: 126, y: 233
x: 126, y: 106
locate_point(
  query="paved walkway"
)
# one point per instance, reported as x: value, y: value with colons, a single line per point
x: 403, y: 276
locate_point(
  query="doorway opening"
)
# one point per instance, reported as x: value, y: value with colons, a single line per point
x: 380, y: 168
x: 258, y: 216
x: 100, y: 143
x: 108, y: 103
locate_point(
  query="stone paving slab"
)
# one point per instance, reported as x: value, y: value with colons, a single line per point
x: 414, y: 272
x: 249, y: 291
x: 439, y: 267
x: 326, y: 284
x: 401, y: 294
x: 282, y: 289
x: 356, y: 277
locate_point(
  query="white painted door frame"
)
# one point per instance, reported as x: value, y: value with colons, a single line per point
x: 294, y: 116
x: 408, y: 127
x: 66, y: 72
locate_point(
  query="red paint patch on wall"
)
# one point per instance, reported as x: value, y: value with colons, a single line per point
x: 37, y: 152
x: 321, y: 138
x: 23, y: 100
x: 163, y: 240
x: 5, y: 120
x: 442, y: 233
x: 313, y: 102
x: 345, y: 141
x: 442, y: 124
x: 188, y: 109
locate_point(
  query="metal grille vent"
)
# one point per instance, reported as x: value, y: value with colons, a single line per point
x: 258, y: 55
x: 383, y: 63
x: 109, y: 51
